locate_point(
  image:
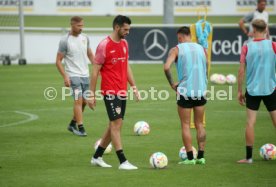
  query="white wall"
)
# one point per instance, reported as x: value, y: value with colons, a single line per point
x: 39, y: 47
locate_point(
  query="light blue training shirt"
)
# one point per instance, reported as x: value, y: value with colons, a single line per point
x: 192, y: 70
x: 260, y: 68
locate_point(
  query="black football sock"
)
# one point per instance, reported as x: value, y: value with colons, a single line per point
x: 190, y: 155
x: 99, y: 152
x: 72, y: 123
x: 200, y: 154
x: 80, y: 126
x: 121, y: 156
x: 249, y: 150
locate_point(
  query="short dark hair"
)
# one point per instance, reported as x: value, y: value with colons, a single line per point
x: 121, y: 20
x: 259, y: 25
x: 260, y: 1
x: 76, y: 19
x: 184, y: 30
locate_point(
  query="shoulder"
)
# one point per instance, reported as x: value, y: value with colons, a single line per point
x: 124, y: 41
x: 250, y: 14
x: 244, y: 49
x: 274, y: 47
x: 104, y: 42
x: 173, y: 51
x: 64, y: 37
x: 64, y: 40
x: 83, y: 35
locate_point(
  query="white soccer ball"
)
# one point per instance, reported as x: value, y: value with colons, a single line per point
x: 141, y: 128
x: 231, y: 79
x: 213, y: 77
x: 158, y: 160
x: 108, y: 148
x: 183, y: 154
x: 268, y: 152
x: 221, y: 79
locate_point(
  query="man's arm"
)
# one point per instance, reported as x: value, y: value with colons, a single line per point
x: 207, y: 61
x: 60, y: 68
x: 267, y: 33
x: 241, y: 73
x: 173, y: 53
x: 131, y: 81
x: 242, y: 26
x: 246, y: 19
x: 93, y: 83
x: 90, y: 55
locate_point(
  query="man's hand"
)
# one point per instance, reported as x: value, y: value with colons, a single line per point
x: 250, y: 34
x: 67, y: 81
x: 241, y: 98
x: 136, y: 93
x: 174, y: 86
x: 91, y: 101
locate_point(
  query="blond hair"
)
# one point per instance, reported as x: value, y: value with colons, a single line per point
x: 76, y: 19
x: 259, y: 25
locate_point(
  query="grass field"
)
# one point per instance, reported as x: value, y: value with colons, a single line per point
x: 43, y: 153
x: 105, y: 21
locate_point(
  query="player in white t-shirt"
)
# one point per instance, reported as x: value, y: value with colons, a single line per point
x: 74, y: 49
x: 259, y: 13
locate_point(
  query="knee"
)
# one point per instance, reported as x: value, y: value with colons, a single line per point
x: 250, y: 123
x: 185, y: 125
x: 116, y: 125
x: 79, y: 102
x: 199, y: 125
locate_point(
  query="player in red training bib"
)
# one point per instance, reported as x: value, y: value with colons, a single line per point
x: 111, y: 60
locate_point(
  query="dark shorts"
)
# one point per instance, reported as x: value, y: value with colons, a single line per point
x: 190, y: 102
x: 253, y: 102
x: 115, y: 106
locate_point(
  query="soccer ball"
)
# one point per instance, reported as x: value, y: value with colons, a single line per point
x: 268, y: 152
x: 231, y: 79
x: 141, y: 128
x: 213, y: 77
x: 221, y: 79
x: 183, y: 154
x: 158, y: 160
x: 108, y: 148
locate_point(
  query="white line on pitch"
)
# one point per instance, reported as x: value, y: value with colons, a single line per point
x: 31, y: 117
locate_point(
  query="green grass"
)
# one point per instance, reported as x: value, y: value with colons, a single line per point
x: 43, y: 153
x: 105, y: 21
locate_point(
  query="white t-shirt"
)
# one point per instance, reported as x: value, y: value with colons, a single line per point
x: 75, y: 49
x: 249, y: 18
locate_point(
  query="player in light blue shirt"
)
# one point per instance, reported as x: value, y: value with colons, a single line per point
x: 191, y: 64
x: 258, y: 61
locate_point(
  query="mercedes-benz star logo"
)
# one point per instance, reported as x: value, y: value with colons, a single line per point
x: 155, y: 44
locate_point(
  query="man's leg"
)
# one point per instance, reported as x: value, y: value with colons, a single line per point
x: 78, y: 109
x: 249, y: 135
x: 185, y: 116
x: 249, y: 131
x: 106, y: 138
x: 115, y: 132
x: 74, y: 120
x: 273, y: 117
x: 185, y: 119
x: 77, y: 117
x: 97, y: 157
x: 201, y: 133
